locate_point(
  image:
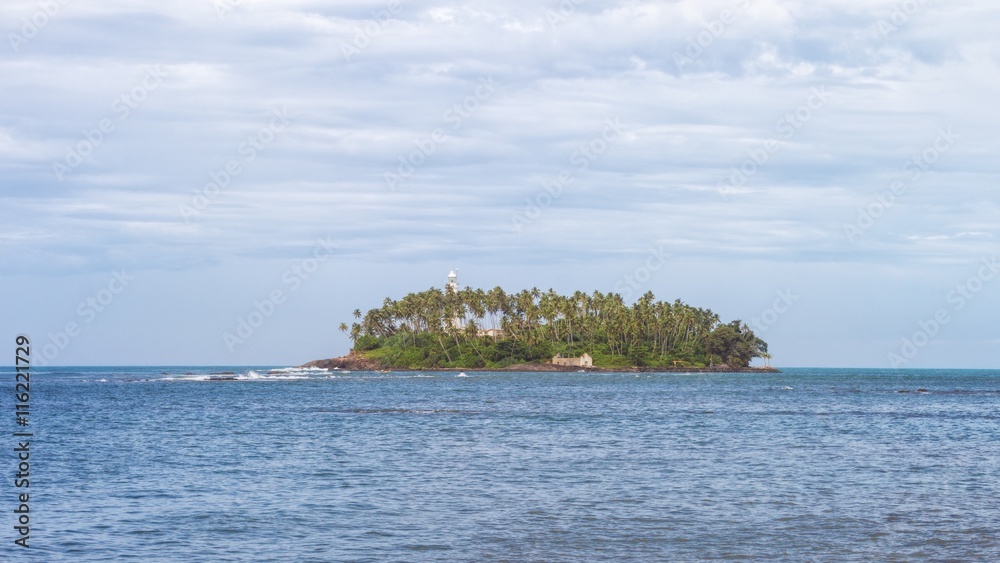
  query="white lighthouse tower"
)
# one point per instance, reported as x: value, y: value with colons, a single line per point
x: 457, y: 323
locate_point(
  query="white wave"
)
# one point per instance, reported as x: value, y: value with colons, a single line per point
x: 187, y: 377
x: 252, y: 375
x: 284, y: 377
x: 249, y: 375
x: 300, y: 370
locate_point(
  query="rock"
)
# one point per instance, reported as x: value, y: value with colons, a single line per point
x: 352, y: 362
x: 355, y: 362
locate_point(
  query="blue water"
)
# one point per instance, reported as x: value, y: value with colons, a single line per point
x: 821, y: 465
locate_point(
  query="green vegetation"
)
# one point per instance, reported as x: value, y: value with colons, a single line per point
x: 472, y: 328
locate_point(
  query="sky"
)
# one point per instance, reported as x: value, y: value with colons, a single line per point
x: 223, y: 182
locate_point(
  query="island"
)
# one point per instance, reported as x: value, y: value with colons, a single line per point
x: 534, y: 330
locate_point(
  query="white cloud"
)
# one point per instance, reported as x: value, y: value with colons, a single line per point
x: 685, y: 129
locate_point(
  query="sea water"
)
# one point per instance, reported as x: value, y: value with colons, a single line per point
x: 167, y: 463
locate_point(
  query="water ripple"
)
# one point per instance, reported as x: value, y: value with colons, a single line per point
x: 805, y: 465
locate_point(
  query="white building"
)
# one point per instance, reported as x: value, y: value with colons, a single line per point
x: 584, y: 361
x: 451, y: 286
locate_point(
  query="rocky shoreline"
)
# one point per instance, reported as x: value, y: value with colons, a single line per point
x: 354, y: 362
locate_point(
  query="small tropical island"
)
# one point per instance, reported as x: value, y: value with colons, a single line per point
x: 532, y: 330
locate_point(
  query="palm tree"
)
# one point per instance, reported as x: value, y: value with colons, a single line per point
x: 646, y: 330
x: 355, y: 333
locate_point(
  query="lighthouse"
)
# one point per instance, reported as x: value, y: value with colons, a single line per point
x: 458, y: 322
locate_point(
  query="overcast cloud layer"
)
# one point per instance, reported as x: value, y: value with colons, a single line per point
x: 826, y: 171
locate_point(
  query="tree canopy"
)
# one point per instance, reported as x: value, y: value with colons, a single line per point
x: 472, y: 328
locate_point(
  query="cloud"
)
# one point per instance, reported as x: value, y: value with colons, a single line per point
x: 699, y: 88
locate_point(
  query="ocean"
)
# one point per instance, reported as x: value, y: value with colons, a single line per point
x: 173, y: 464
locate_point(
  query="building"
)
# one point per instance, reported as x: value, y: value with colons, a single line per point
x: 584, y: 361
x: 495, y: 333
x: 457, y: 323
